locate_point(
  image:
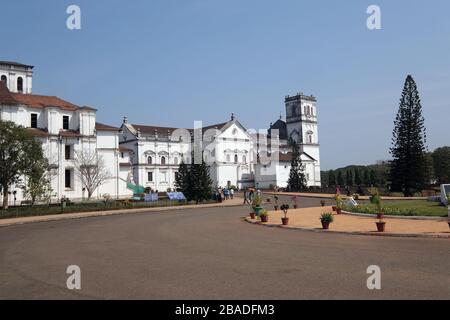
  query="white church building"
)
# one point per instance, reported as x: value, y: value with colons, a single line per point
x: 149, y: 156
x: 299, y: 127
x: 64, y: 129
x: 158, y: 151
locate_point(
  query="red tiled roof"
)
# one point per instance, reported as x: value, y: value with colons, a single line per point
x: 37, y: 132
x: 162, y: 131
x: 38, y: 101
x: 104, y: 127
x: 6, y: 96
x: 124, y: 149
x: 17, y: 64
x: 34, y: 100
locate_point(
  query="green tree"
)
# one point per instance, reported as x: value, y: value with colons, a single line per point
x: 38, y: 184
x: 340, y: 178
x: 358, y: 179
x: 409, y: 165
x: 349, y: 178
x: 19, y: 151
x: 297, y: 180
x: 331, y: 178
x: 200, y: 183
x: 182, y: 180
x: 441, y: 164
x: 367, y: 181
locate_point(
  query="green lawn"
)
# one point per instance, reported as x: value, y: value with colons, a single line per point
x: 405, y: 208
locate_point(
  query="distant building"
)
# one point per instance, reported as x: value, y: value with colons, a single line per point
x: 300, y: 127
x: 63, y: 128
x: 158, y: 152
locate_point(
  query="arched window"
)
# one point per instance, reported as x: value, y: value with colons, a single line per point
x: 149, y: 160
x: 175, y: 160
x: 244, y: 159
x: 5, y: 79
x: 163, y: 160
x: 228, y: 158
x: 310, y: 137
x: 236, y: 160
x: 20, y: 84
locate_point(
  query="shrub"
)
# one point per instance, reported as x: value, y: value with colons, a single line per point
x: 327, y: 217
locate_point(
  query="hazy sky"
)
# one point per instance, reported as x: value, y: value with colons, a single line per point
x: 172, y: 62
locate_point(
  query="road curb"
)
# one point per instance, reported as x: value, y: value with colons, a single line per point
x: 356, y: 233
x: 93, y: 214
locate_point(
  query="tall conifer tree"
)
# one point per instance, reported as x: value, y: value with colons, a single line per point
x: 297, y: 180
x: 409, y: 165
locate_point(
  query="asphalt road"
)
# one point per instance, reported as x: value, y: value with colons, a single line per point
x: 212, y: 254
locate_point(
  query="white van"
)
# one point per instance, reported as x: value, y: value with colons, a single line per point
x: 445, y: 190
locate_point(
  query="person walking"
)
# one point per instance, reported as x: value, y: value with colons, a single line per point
x: 246, y: 197
x: 232, y: 193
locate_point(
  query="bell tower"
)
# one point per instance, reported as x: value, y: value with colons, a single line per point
x: 18, y: 77
x: 302, y: 128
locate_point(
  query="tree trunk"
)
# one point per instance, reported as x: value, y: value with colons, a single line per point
x: 5, y: 198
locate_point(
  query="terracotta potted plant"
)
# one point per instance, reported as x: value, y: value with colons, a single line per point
x: 295, y: 201
x: 256, y: 205
x: 381, y: 225
x: 339, y: 203
x: 326, y: 218
x: 264, y: 216
x: 252, y: 215
x: 276, y: 203
x: 322, y: 203
x: 285, y: 209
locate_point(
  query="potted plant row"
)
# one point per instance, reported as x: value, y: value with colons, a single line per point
x: 339, y: 203
x: 326, y: 218
x: 276, y: 203
x: 264, y: 216
x: 256, y: 205
x: 381, y: 225
x: 285, y: 219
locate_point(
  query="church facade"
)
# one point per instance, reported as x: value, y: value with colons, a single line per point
x: 158, y: 151
x: 64, y: 129
x: 301, y: 127
x: 149, y: 156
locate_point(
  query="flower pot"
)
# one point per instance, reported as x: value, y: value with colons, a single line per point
x: 253, y: 215
x: 295, y: 206
x: 381, y: 226
x: 264, y: 219
x: 258, y: 210
x: 322, y: 204
x: 325, y: 225
x: 338, y: 210
x: 276, y: 208
x: 285, y: 221
x: 334, y: 208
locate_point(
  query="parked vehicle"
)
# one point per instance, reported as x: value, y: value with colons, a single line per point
x: 445, y: 191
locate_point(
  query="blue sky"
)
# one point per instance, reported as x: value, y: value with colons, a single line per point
x: 172, y: 62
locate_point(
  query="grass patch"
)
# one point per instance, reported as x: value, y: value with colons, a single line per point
x: 404, y: 208
x: 44, y: 210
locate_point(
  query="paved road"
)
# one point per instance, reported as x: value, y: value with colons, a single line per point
x: 212, y: 254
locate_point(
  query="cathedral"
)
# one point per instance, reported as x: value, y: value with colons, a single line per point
x: 148, y: 155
